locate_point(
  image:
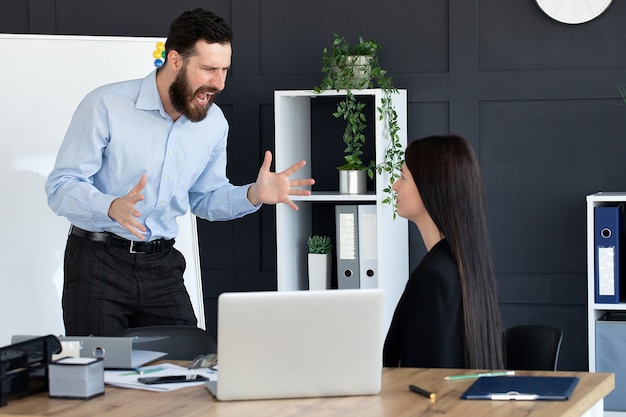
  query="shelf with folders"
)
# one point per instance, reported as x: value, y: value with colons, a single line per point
x: 606, y: 306
x: 305, y: 129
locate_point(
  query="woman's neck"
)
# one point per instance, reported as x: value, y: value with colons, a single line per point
x: 431, y: 235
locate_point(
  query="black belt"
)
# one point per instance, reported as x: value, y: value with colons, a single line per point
x: 115, y: 241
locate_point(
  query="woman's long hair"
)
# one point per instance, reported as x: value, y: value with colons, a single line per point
x: 446, y: 172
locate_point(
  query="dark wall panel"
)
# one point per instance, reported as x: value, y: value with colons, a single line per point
x: 15, y: 16
x: 127, y: 18
x: 414, y: 35
x: 427, y: 118
x: 267, y: 234
x: 540, y: 159
x: 518, y: 35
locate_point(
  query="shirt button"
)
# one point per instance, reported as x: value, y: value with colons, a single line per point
x: 161, y: 203
x: 166, y: 178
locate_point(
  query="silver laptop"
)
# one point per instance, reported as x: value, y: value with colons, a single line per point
x: 294, y: 344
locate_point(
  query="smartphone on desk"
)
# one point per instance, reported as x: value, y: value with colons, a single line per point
x: 171, y: 379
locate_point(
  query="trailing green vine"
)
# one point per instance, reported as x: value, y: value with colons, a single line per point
x: 345, y: 71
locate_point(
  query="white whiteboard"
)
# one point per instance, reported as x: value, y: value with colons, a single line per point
x: 42, y: 80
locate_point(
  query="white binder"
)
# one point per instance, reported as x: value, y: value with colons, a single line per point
x: 368, y: 262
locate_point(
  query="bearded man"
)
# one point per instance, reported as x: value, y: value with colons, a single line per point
x: 137, y: 154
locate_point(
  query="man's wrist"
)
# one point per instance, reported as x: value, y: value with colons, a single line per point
x: 252, y: 195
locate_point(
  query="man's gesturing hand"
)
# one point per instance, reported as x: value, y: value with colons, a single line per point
x: 276, y: 187
x: 123, y: 209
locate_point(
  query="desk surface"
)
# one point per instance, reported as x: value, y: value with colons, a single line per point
x: 394, y: 400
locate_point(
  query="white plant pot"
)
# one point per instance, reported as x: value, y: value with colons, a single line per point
x: 319, y: 271
x: 352, y: 181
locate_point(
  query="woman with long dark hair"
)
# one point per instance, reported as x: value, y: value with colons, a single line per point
x: 448, y: 315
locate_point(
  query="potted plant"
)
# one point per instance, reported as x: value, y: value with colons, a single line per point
x: 320, y: 261
x: 352, y: 67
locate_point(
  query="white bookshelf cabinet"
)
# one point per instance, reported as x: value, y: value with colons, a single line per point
x: 597, y: 310
x: 292, y: 112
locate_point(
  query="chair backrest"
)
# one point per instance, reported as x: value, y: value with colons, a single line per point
x: 179, y: 342
x: 533, y: 347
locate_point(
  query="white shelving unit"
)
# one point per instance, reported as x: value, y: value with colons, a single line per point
x: 292, y: 112
x: 597, y: 310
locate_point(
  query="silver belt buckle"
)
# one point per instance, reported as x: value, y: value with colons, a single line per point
x: 132, y: 248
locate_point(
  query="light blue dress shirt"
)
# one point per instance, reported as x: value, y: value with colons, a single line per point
x: 121, y: 131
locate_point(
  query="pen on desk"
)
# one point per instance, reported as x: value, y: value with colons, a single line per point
x: 138, y: 371
x: 422, y: 391
x: 469, y: 376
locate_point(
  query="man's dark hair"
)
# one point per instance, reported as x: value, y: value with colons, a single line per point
x: 195, y: 25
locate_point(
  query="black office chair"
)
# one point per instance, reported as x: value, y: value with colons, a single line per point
x: 532, y: 347
x: 179, y: 342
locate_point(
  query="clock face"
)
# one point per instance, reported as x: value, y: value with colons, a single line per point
x: 573, y: 11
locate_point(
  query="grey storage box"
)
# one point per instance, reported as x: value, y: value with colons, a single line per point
x: 611, y: 356
x: 79, y: 378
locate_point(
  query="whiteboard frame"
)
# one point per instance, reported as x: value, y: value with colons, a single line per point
x: 44, y: 77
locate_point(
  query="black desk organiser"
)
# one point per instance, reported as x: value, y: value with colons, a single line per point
x: 24, y: 366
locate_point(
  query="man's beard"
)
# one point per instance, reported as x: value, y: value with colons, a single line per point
x: 183, y: 99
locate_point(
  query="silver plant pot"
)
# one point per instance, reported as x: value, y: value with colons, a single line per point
x: 353, y: 181
x: 361, y: 70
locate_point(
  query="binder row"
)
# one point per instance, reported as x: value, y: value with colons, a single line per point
x: 357, y: 263
x: 608, y: 237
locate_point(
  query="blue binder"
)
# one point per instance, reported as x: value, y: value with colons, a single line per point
x: 608, y: 232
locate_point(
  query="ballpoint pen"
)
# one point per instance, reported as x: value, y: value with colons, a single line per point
x: 422, y: 391
x: 469, y: 376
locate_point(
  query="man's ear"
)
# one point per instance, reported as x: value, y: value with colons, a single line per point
x: 175, y: 60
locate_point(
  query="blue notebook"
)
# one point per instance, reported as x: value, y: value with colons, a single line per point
x: 521, y: 388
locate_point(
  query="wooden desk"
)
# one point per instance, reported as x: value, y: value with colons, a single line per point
x: 395, y: 400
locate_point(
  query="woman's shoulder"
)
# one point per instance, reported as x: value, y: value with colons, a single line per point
x: 439, y: 255
x: 438, y: 266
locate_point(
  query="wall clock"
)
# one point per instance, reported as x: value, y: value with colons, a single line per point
x: 573, y: 11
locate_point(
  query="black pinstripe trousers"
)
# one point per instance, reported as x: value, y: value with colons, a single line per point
x: 107, y: 289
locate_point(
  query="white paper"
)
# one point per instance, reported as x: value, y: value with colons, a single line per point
x: 606, y: 270
x: 75, y: 361
x: 347, y: 236
x: 128, y: 378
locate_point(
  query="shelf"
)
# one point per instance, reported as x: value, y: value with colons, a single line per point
x: 305, y: 129
x: 335, y: 196
x: 607, y: 197
x: 609, y: 307
x: 597, y: 310
x: 327, y: 93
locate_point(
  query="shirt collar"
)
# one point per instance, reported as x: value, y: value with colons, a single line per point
x: 149, y: 98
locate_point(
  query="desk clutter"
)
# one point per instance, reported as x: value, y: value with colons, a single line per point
x: 24, y: 366
x: 74, y: 366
